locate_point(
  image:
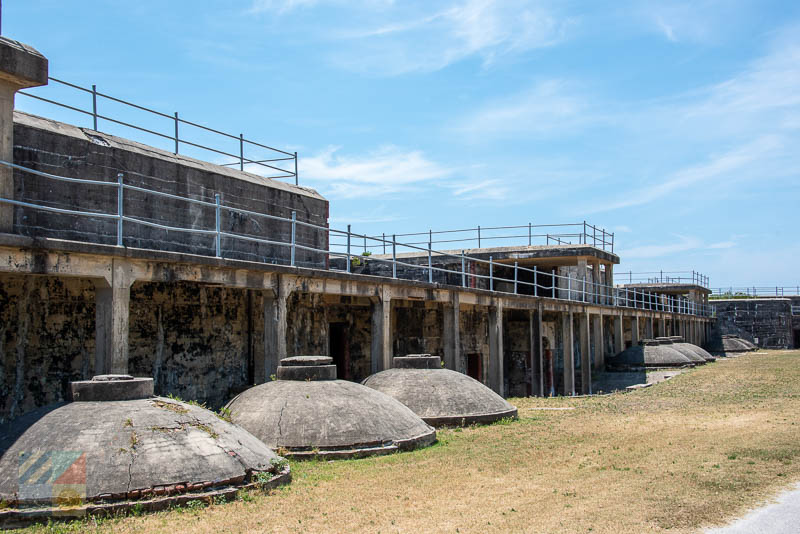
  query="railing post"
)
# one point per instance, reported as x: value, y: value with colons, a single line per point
x: 479, y: 236
x: 491, y: 274
x: 241, y: 152
x: 569, y: 287
x: 430, y: 265
x: 176, y: 132
x: 94, y: 107
x: 348, y: 248
x: 612, y: 242
x: 120, y: 188
x: 383, y: 240
x: 553, y: 283
x: 365, y: 243
x: 218, y: 222
x: 529, y: 234
x: 584, y: 232
x: 583, y: 290
x: 394, y: 256
x: 463, y: 270
x: 294, y: 235
x: 603, y: 230
x: 515, y: 278
x: 296, y: 176
x: 535, y: 282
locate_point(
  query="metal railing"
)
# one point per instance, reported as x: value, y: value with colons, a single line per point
x: 270, y: 164
x: 754, y: 291
x: 500, y: 277
x: 581, y: 233
x: 662, y: 277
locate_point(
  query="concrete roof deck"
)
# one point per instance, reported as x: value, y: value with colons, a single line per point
x: 668, y: 288
x: 552, y: 254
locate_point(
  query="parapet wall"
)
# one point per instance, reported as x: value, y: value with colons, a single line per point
x: 766, y: 322
x: 65, y: 150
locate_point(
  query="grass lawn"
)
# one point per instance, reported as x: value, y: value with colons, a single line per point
x: 695, y: 451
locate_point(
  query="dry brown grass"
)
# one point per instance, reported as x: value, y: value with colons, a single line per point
x: 697, y: 450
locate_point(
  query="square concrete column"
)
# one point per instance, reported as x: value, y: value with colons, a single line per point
x: 648, y: 328
x: 266, y: 364
x: 451, y: 335
x: 662, y: 327
x: 496, y: 362
x: 112, y: 318
x: 598, y: 342
x: 586, y: 353
x: 21, y: 66
x: 619, y: 335
x: 537, y: 362
x: 634, y: 330
x: 382, y: 335
x: 609, y: 280
x: 582, y: 283
x: 569, y: 358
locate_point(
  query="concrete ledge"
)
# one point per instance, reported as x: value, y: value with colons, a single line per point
x: 22, y: 65
x: 100, y: 389
x: 307, y: 372
x: 417, y: 361
x: 18, y: 518
x: 464, y: 420
x: 364, y: 450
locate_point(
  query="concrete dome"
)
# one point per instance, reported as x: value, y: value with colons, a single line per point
x: 440, y: 396
x: 700, y: 351
x: 650, y: 353
x: 308, y: 412
x: 683, y: 348
x: 731, y: 343
x: 117, y: 444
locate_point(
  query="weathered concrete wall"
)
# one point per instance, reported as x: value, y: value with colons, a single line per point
x: 474, y: 338
x: 309, y: 321
x: 46, y: 339
x: 767, y: 320
x: 66, y: 150
x: 417, y: 327
x: 196, y: 341
x: 517, y: 358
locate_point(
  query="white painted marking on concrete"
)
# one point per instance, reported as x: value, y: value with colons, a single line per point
x: 781, y: 517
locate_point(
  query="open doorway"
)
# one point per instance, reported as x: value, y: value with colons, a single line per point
x: 797, y: 338
x: 340, y: 349
x: 475, y: 366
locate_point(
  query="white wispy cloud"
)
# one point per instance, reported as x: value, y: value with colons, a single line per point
x: 547, y: 108
x: 388, y: 169
x: 717, y: 167
x: 722, y: 245
x: 416, y: 40
x: 684, y: 244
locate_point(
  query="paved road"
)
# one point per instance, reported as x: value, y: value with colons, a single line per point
x: 782, y: 517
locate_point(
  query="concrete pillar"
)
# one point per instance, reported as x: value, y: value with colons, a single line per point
x: 619, y: 335
x: 581, y: 280
x: 451, y: 336
x: 634, y: 330
x: 21, y: 66
x: 569, y: 361
x: 586, y: 352
x: 382, y: 335
x: 496, y: 354
x: 536, y: 344
x: 266, y: 364
x: 598, y: 342
x: 648, y: 328
x: 662, y: 326
x: 112, y: 313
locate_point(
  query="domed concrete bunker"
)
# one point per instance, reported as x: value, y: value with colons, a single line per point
x: 116, y: 446
x: 684, y: 348
x: 440, y: 396
x: 649, y: 353
x: 729, y: 344
x: 680, y: 343
x: 308, y: 412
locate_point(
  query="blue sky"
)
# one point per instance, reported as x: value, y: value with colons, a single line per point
x: 674, y: 124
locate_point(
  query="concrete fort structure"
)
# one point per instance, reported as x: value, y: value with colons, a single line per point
x: 119, y: 257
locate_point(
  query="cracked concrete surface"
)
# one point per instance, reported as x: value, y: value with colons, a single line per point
x: 200, y: 449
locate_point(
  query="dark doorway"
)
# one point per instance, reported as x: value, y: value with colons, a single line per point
x: 475, y: 366
x: 340, y: 349
x: 797, y: 339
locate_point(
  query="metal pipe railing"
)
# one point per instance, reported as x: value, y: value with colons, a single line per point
x: 239, y: 159
x: 587, y: 290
